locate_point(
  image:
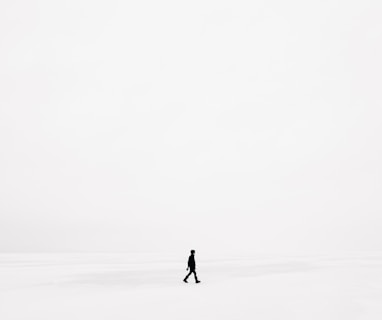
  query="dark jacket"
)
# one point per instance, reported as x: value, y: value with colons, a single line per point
x: 191, y: 262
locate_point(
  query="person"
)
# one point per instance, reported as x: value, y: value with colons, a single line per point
x: 192, y: 267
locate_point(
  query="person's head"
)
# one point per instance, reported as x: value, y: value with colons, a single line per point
x: 192, y: 252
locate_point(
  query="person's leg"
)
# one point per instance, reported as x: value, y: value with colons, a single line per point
x: 196, y: 278
x: 185, y: 279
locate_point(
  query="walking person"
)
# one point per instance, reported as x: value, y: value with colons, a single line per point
x: 192, y: 267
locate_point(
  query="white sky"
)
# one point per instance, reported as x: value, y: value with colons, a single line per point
x: 170, y: 125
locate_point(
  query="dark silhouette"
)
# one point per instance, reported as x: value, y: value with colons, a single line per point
x: 192, y: 267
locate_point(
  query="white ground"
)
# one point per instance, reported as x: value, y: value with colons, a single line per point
x: 114, y: 286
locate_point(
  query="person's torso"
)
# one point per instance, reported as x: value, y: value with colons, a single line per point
x: 191, y: 261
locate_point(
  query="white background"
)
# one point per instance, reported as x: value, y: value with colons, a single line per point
x: 240, y: 126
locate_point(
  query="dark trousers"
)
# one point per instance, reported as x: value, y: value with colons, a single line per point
x: 191, y: 271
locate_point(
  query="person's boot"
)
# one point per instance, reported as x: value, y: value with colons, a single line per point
x: 185, y: 280
x: 197, y: 281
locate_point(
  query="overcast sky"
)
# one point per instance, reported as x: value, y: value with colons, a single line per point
x: 249, y: 126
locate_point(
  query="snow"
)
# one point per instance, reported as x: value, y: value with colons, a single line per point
x: 137, y: 286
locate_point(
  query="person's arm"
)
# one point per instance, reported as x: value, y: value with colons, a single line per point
x: 188, y: 263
